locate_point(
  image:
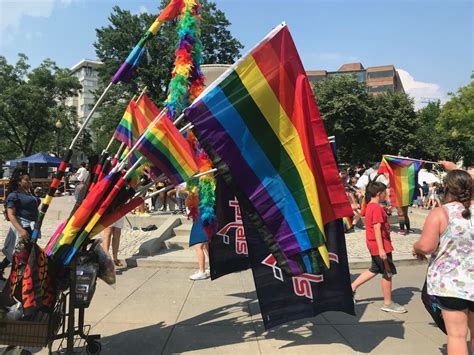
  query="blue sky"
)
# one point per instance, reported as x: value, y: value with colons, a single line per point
x: 430, y: 42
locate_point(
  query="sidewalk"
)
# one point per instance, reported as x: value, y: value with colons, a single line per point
x: 154, y: 311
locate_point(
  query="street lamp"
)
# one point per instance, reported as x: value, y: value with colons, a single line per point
x: 58, y: 125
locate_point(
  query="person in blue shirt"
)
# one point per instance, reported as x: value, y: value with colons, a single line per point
x: 21, y: 208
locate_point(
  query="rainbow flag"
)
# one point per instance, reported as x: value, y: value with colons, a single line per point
x: 126, y: 130
x: 256, y: 122
x: 347, y: 223
x: 82, y: 215
x: 128, y: 67
x: 403, y: 177
x: 165, y: 147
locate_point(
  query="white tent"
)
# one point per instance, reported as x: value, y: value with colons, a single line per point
x: 430, y: 178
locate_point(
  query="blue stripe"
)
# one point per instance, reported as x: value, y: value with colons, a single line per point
x: 229, y: 118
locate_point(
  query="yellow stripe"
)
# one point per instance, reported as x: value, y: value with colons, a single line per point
x: 176, y: 151
x: 268, y: 103
x: 88, y: 228
x: 154, y: 27
x: 404, y: 186
x: 47, y: 200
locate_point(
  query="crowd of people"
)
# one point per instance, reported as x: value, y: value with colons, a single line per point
x: 447, y: 236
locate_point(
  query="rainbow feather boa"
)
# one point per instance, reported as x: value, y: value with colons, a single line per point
x: 187, y: 82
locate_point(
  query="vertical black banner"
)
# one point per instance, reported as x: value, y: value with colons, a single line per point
x: 228, y: 251
x: 283, y: 299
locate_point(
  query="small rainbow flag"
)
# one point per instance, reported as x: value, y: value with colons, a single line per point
x: 126, y: 130
x: 128, y: 67
x: 256, y: 122
x: 166, y: 148
x: 403, y: 177
x: 347, y: 223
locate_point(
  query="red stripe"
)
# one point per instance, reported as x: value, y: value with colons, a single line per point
x: 293, y: 91
x: 62, y: 166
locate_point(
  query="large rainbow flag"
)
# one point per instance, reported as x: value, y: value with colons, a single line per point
x: 256, y: 121
x: 403, y: 177
x: 166, y: 148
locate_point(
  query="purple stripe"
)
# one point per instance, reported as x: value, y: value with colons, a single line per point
x: 157, y: 158
x: 122, y: 137
x: 124, y: 68
x: 212, y: 131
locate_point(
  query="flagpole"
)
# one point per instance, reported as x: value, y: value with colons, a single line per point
x: 142, y: 93
x: 188, y: 126
x: 424, y: 161
x: 171, y: 186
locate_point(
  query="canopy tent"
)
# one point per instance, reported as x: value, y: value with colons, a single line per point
x: 41, y: 158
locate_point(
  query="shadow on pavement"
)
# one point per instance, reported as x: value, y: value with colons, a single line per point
x: 239, y: 325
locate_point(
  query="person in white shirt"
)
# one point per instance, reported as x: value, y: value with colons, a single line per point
x: 81, y: 177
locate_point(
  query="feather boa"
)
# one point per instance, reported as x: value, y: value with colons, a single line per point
x: 187, y: 82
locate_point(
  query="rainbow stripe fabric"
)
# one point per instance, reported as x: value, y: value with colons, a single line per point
x: 128, y: 67
x: 164, y: 146
x: 255, y: 121
x: 126, y: 130
x: 403, y: 177
x: 347, y: 223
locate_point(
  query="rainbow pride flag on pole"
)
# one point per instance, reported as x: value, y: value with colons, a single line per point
x: 128, y: 67
x: 126, y: 130
x: 255, y: 121
x: 403, y: 177
x: 166, y: 148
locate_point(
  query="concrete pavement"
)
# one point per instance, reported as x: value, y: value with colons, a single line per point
x: 160, y: 311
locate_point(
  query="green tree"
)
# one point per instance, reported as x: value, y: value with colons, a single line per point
x: 344, y: 105
x: 31, y: 101
x: 430, y: 145
x: 456, y: 124
x: 115, y: 41
x: 394, y: 125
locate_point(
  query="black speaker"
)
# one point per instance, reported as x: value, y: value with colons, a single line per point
x: 39, y: 171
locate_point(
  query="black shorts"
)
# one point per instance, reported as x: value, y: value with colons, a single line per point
x: 377, y: 266
x: 455, y: 304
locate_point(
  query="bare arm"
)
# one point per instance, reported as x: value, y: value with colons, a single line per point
x: 378, y: 239
x: 435, y: 224
x: 16, y: 224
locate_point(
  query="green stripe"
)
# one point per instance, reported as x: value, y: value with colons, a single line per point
x: 263, y: 134
x: 126, y: 124
x: 164, y: 149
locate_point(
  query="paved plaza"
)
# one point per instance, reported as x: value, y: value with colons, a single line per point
x: 160, y: 311
x: 153, y: 311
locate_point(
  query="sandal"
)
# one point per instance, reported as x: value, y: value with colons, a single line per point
x: 119, y: 263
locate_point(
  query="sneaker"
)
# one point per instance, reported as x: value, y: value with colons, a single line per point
x: 208, y: 272
x: 393, y: 307
x: 198, y: 275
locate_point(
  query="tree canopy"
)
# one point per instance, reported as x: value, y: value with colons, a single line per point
x: 31, y: 101
x: 456, y: 124
x: 115, y: 41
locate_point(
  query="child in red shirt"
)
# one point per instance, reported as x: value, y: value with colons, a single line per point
x: 380, y: 247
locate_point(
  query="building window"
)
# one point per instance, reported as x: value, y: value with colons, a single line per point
x: 381, y: 88
x: 380, y: 74
x: 89, y: 83
x: 358, y: 75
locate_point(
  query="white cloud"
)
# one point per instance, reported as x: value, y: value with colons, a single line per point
x: 142, y: 9
x: 422, y: 92
x: 13, y: 11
